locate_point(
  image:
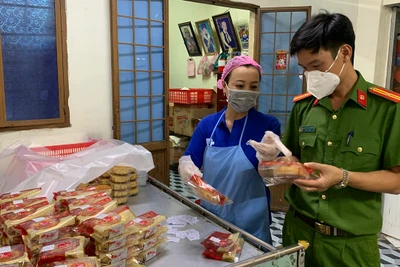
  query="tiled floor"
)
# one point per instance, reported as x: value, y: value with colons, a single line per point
x: 390, y: 256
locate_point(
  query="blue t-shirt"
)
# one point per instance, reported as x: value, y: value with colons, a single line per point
x: 257, y: 124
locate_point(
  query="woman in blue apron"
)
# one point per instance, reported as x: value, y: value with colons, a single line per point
x: 218, y: 146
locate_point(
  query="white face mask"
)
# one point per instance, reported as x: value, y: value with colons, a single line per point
x: 241, y: 100
x: 321, y: 84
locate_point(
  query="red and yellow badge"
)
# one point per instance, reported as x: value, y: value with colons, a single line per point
x: 301, y: 97
x: 385, y: 93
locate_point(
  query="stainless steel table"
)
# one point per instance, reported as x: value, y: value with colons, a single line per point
x: 163, y: 200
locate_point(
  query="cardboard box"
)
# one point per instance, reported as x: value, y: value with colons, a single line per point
x: 177, y: 147
x: 186, y: 117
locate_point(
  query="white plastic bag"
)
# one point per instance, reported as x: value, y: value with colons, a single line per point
x: 21, y: 168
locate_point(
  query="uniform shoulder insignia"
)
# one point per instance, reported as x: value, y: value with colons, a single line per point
x: 301, y: 97
x: 385, y: 93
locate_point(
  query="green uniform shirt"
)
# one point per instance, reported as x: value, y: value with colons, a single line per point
x: 317, y: 133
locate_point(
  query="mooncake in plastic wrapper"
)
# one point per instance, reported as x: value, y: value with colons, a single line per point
x: 62, y: 249
x: 206, y: 192
x: 283, y: 169
x: 19, y: 216
x: 47, y: 228
x: 87, y: 212
x: 82, y: 262
x: 145, y: 225
x: 107, y: 225
x: 220, y: 242
x: 19, y: 195
x: 78, y: 201
x: 14, y: 255
x: 21, y: 204
x: 232, y: 255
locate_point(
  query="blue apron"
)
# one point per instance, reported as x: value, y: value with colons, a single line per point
x: 228, y: 170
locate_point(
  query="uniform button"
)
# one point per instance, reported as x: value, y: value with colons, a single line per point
x: 302, y: 143
x: 334, y: 117
x: 322, y: 222
x: 323, y: 197
x: 330, y: 143
x: 359, y: 149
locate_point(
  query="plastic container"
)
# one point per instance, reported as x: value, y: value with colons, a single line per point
x: 142, y: 177
x: 190, y: 96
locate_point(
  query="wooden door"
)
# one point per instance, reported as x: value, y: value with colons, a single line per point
x: 139, y: 31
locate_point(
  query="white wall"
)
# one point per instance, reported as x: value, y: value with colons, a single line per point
x: 181, y: 11
x: 89, y: 63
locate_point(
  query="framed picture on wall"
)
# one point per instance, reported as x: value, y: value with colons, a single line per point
x: 226, y: 32
x: 243, y: 34
x: 208, y: 41
x: 189, y: 38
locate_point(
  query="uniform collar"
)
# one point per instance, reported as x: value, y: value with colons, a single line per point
x: 358, y: 94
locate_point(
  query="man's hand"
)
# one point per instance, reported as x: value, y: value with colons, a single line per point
x: 329, y: 176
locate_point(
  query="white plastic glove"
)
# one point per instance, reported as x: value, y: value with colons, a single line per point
x: 187, y: 168
x: 269, y: 147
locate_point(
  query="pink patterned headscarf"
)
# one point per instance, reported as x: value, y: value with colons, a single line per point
x: 234, y: 63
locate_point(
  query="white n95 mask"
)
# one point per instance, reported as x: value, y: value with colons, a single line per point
x: 321, y: 84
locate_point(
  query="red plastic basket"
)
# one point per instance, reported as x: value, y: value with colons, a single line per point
x: 191, y: 96
x: 61, y: 150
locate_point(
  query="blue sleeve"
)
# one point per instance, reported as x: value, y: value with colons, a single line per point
x: 275, y: 126
x: 197, y: 144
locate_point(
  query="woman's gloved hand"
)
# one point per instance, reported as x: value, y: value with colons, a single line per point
x: 269, y: 148
x: 187, y: 168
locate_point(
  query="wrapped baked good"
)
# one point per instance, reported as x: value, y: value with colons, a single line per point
x: 220, y: 242
x: 134, y: 176
x: 19, y: 195
x: 283, y: 169
x: 122, y: 170
x: 46, y: 229
x: 130, y: 240
x: 87, y: 212
x: 121, y: 200
x: 116, y: 178
x: 133, y: 191
x: 82, y: 262
x: 145, y: 225
x: 132, y: 184
x: 17, y: 217
x: 107, y: 225
x: 62, y: 249
x: 21, y: 204
x: 119, y: 186
x: 206, y: 192
x: 146, y: 255
x: 232, y: 255
x: 14, y: 256
x: 90, y: 200
x: 120, y: 193
x: 65, y: 194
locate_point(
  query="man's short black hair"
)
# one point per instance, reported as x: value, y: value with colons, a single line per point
x: 326, y: 31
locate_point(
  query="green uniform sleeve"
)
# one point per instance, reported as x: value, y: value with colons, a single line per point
x: 291, y: 136
x: 391, y: 145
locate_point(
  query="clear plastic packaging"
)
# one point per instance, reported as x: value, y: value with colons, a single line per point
x: 283, y: 169
x: 21, y: 204
x: 107, y: 225
x: 45, y: 229
x: 83, y: 262
x: 13, y: 255
x: 19, y: 194
x: 232, y: 255
x: 61, y: 250
x: 87, y: 212
x: 206, y: 192
x: 220, y: 242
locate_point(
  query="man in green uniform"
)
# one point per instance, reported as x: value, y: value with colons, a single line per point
x: 348, y: 129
